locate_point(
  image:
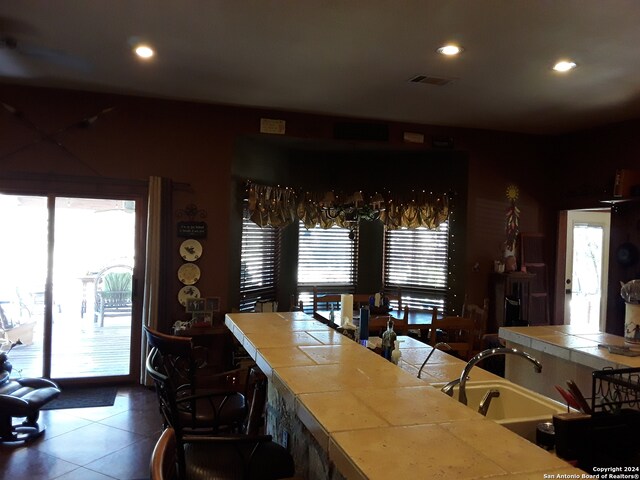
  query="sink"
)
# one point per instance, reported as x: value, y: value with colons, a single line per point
x: 517, y: 408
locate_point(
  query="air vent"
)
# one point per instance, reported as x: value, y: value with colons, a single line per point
x: 438, y: 81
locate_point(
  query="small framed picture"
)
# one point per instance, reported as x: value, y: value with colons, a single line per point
x: 195, y: 305
x: 200, y: 319
x: 212, y: 304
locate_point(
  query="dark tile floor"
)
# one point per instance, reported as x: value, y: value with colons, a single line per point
x: 98, y: 443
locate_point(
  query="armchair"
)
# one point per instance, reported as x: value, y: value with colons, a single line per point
x: 22, y: 397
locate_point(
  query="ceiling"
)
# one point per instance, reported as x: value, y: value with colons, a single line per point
x: 350, y: 58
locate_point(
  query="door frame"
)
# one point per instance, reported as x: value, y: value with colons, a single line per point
x: 51, y: 186
x: 563, y: 249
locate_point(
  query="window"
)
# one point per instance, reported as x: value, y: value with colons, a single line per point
x: 258, y: 264
x: 326, y: 259
x: 416, y: 261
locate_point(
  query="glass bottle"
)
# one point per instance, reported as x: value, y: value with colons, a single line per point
x: 388, y: 340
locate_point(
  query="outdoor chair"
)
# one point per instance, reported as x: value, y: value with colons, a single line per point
x: 11, y: 332
x: 113, y: 292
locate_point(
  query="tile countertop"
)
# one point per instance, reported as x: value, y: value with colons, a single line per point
x: 577, y: 344
x: 376, y: 420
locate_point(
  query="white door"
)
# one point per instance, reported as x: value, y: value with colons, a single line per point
x: 586, y: 267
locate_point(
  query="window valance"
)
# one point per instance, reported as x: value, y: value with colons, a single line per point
x: 279, y: 206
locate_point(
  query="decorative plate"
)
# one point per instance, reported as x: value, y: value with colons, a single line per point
x: 189, y: 273
x: 187, y: 292
x: 191, y: 250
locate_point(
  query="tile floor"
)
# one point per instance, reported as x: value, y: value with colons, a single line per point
x: 98, y: 443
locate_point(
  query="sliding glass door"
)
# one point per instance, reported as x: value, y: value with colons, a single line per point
x: 67, y: 285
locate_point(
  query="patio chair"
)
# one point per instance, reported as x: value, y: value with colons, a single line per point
x: 11, y: 332
x: 113, y: 288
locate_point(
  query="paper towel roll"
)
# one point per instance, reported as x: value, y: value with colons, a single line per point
x: 346, y: 307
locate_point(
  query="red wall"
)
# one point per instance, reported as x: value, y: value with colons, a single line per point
x: 194, y: 144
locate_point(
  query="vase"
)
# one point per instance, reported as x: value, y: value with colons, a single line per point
x: 632, y: 323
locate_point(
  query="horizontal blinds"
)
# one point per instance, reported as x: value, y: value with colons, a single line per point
x: 258, y: 264
x: 417, y: 261
x: 326, y: 259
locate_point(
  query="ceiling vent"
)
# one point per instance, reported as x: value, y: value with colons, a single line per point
x: 437, y: 81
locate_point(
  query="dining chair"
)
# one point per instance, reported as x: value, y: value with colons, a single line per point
x: 163, y: 465
x: 220, y: 454
x: 479, y: 315
x: 218, y: 400
x: 378, y: 323
x: 458, y: 332
x: 295, y: 305
x: 395, y: 297
x: 324, y: 301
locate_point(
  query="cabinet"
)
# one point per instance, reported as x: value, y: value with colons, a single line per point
x: 515, y: 285
x: 532, y: 260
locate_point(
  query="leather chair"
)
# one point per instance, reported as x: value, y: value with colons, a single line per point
x: 20, y: 398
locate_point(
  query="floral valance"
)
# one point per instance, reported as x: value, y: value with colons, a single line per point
x: 280, y: 206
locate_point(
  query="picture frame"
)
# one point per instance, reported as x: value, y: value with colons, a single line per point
x: 195, y: 305
x: 212, y: 304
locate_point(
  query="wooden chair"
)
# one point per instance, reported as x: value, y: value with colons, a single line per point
x: 325, y: 301
x: 395, y: 297
x: 479, y: 316
x: 163, y: 458
x: 458, y: 332
x: 378, y: 323
x: 295, y: 305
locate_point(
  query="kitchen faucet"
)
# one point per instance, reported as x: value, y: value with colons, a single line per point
x: 462, y: 393
x: 439, y: 344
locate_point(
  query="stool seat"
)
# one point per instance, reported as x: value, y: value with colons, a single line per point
x: 23, y: 397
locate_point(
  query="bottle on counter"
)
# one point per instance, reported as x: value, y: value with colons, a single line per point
x: 388, y: 340
x: 396, y: 354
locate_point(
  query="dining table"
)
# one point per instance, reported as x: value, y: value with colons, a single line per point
x: 416, y: 319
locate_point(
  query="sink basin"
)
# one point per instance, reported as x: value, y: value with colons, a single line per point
x: 517, y: 408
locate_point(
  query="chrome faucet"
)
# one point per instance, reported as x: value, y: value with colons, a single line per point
x: 462, y: 393
x: 448, y: 388
x: 483, y: 408
x: 439, y: 344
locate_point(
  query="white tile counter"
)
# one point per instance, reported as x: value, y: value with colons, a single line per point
x: 367, y: 418
x: 566, y: 352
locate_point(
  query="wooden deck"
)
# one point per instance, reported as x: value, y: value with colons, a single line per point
x: 79, y: 350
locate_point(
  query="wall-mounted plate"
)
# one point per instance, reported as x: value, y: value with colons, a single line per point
x: 191, y: 250
x: 187, y: 292
x: 189, y: 273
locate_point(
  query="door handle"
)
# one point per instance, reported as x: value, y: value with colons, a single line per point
x: 568, y: 291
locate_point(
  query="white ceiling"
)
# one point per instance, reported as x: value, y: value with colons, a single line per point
x: 348, y: 57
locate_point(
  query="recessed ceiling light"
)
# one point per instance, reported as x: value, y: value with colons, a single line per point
x: 564, y: 66
x: 144, y: 51
x: 450, y: 50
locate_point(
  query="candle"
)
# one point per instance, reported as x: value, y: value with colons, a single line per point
x: 346, y: 306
